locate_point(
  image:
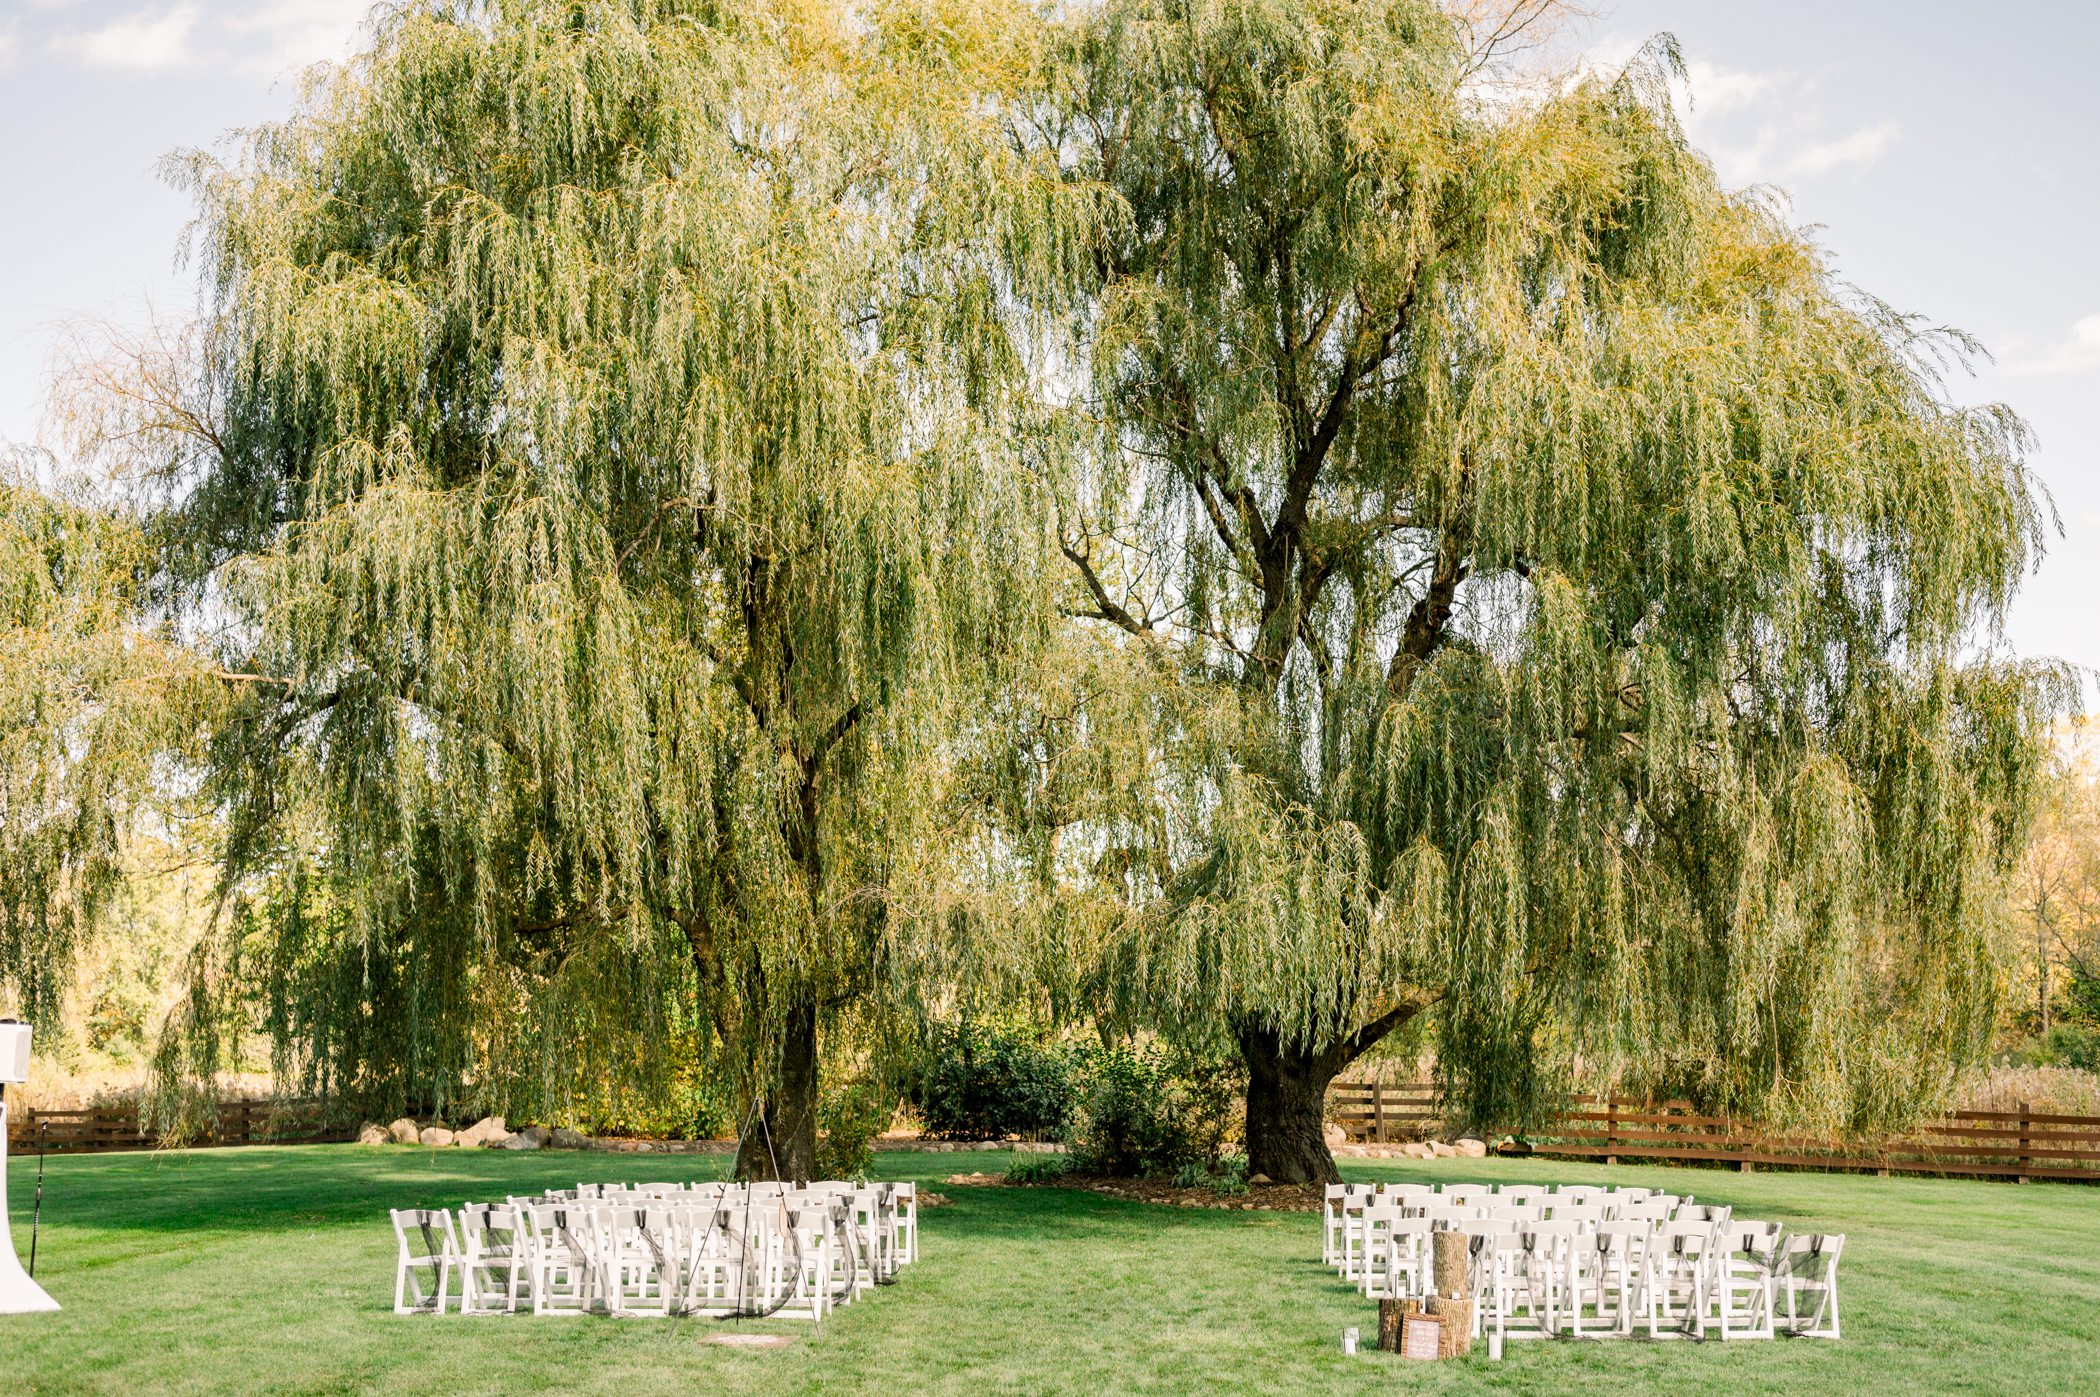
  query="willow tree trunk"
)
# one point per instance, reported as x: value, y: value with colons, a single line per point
x: 1287, y: 1109
x: 780, y: 1140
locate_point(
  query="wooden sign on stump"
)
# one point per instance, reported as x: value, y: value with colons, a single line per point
x: 1421, y: 1336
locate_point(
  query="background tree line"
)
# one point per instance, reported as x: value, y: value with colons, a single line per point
x: 695, y: 542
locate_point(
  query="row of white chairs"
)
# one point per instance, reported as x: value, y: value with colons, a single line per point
x: 721, y: 1250
x: 1346, y: 1203
x: 1582, y: 1261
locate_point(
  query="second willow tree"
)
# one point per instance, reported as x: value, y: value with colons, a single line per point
x: 1554, y: 596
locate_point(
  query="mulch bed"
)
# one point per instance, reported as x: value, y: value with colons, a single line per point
x: 1259, y: 1198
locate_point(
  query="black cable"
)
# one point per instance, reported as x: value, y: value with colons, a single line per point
x: 36, y: 1215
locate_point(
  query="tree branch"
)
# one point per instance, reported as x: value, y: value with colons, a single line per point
x: 1107, y: 609
x: 1372, y: 1033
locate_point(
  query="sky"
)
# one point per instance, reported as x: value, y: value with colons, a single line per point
x: 1943, y: 150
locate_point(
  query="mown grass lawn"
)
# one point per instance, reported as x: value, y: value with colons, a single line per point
x: 270, y: 1270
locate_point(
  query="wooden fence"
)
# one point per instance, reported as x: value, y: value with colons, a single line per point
x: 2021, y: 1144
x: 1381, y: 1112
x: 97, y: 1129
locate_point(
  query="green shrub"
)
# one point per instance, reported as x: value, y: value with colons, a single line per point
x: 987, y: 1079
x: 849, y: 1117
x: 1225, y: 1175
x: 2080, y: 1001
x: 2066, y: 1045
x: 1037, y: 1169
x: 1152, y: 1109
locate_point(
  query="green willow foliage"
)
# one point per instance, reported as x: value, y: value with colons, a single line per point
x: 617, y: 487
x: 93, y: 701
x: 1544, y: 592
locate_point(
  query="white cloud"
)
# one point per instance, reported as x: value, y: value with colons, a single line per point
x: 2078, y: 352
x: 10, y: 48
x: 275, y: 35
x: 1761, y: 125
x: 1862, y: 147
x: 144, y: 40
x: 1713, y: 90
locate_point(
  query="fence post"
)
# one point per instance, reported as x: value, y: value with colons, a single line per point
x: 1378, y: 1108
x: 1611, y: 1128
x: 2026, y: 1143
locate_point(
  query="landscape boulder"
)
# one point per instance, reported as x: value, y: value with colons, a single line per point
x: 403, y: 1131
x: 489, y: 1131
x: 563, y: 1138
x: 374, y: 1134
x: 1441, y: 1150
x: 530, y: 1138
x: 1471, y: 1149
x: 1417, y: 1150
x: 1336, y: 1136
x: 435, y: 1136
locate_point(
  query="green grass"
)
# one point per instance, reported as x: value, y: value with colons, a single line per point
x: 271, y: 1270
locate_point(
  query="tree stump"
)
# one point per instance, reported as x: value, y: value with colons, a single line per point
x: 1452, y: 1269
x: 1390, y: 1313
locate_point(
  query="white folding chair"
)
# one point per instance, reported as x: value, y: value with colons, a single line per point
x: 1675, y: 1283
x: 1745, y: 1280
x: 564, y: 1273
x: 1466, y: 1196
x: 1642, y: 1210
x: 843, y: 1263
x: 637, y: 1275
x: 871, y: 1234
x: 1351, y: 1206
x: 493, y: 1266
x: 1331, y: 1224
x: 907, y: 1223
x: 423, y: 1237
x: 713, y: 1259
x: 798, y: 1269
x: 1808, y: 1266
x: 1614, y: 1267
x: 1506, y: 1299
x: 1395, y: 1251
x: 1553, y: 1266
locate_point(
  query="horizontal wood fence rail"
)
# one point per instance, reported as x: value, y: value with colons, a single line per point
x: 1989, y: 1144
x: 101, y: 1129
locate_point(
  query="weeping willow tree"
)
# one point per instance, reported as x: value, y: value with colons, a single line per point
x: 1556, y: 602
x: 610, y: 495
